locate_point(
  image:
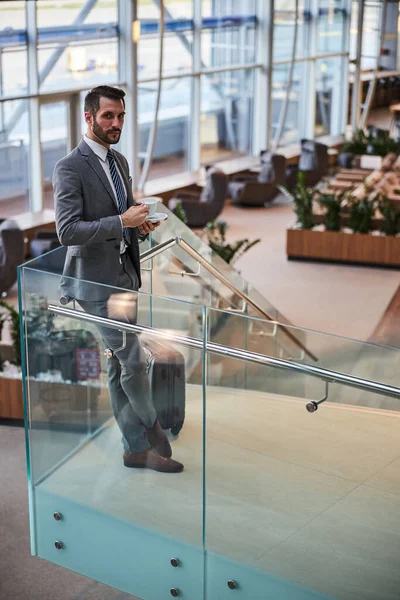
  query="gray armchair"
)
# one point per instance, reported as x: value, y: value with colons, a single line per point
x: 259, y: 189
x: 11, y: 253
x: 203, y: 206
x: 43, y: 242
x: 313, y: 162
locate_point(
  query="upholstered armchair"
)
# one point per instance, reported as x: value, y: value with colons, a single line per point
x: 203, y: 206
x: 313, y: 162
x: 11, y: 254
x: 259, y: 189
x: 43, y: 242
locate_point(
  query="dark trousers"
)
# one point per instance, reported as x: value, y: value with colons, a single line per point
x: 128, y: 379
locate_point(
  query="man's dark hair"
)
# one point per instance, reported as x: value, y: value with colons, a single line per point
x: 92, y: 98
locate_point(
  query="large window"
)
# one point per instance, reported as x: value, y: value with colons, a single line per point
x: 309, y: 102
x: 14, y: 153
x: 216, y: 80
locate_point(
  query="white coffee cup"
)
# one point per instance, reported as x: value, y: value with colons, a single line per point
x: 151, y: 202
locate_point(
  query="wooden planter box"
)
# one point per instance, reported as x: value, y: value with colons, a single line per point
x: 61, y: 402
x: 11, y: 401
x: 336, y: 246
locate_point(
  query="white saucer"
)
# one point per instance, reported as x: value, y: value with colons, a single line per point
x: 157, y: 217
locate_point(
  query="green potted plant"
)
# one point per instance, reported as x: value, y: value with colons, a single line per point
x: 361, y: 215
x: 391, y: 217
x: 180, y: 212
x: 333, y: 205
x: 379, y: 143
x: 215, y: 234
x: 357, y: 144
x: 302, y: 198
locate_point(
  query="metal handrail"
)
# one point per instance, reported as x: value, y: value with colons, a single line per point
x: 178, y: 241
x: 323, y: 374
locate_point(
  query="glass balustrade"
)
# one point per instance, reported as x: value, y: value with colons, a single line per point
x: 273, y: 502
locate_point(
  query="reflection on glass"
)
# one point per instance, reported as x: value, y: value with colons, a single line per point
x: 14, y: 148
x: 54, y: 143
x: 171, y: 145
x: 226, y: 115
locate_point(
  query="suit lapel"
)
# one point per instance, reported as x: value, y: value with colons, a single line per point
x: 93, y: 162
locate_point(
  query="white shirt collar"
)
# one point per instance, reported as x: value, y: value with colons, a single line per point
x: 97, y: 148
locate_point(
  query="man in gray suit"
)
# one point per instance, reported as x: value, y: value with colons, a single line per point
x: 99, y: 222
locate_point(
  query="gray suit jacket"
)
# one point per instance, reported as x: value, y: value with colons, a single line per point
x: 88, y: 223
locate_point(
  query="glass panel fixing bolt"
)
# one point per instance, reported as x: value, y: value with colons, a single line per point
x: 232, y: 585
x: 174, y: 592
x: 175, y: 562
x: 59, y: 545
x: 57, y: 516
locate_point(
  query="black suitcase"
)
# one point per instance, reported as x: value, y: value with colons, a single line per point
x: 166, y: 369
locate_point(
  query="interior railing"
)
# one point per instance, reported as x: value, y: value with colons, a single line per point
x: 178, y: 241
x: 326, y: 375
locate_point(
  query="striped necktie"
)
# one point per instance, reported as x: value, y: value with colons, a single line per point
x: 119, y: 190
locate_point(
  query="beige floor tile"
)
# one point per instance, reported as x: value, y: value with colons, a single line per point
x: 387, y: 479
x: 351, y: 551
x: 346, y: 442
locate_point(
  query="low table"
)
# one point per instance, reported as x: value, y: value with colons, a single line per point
x: 31, y: 222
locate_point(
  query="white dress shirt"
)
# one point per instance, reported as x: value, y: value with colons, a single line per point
x: 101, y: 153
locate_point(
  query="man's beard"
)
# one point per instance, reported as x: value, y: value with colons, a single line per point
x: 103, y: 135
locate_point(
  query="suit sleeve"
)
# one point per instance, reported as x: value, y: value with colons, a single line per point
x: 72, y: 229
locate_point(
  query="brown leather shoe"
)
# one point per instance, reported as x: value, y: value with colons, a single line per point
x: 158, y: 440
x: 149, y: 459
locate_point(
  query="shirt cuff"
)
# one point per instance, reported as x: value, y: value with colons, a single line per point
x: 120, y: 218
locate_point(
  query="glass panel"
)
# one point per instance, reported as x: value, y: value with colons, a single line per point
x: 284, y: 23
x: 329, y: 95
x: 351, y: 357
x: 228, y: 35
x: 89, y: 430
x: 330, y: 26
x: 171, y: 146
x: 296, y: 503
x: 14, y: 152
x: 83, y: 49
x: 54, y: 143
x: 280, y: 75
x: 226, y: 115
x: 13, y: 52
x: 203, y: 287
